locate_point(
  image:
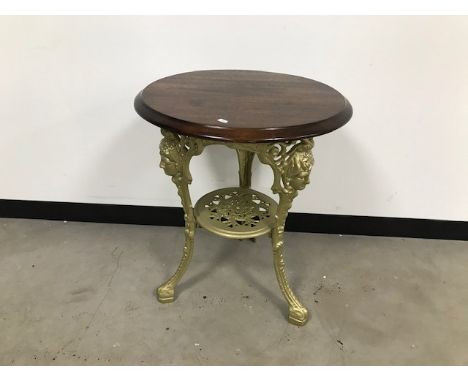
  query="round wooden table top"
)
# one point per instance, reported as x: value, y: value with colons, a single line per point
x: 243, y: 106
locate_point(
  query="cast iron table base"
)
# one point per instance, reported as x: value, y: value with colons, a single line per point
x: 239, y: 212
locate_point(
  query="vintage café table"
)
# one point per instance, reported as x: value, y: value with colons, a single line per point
x: 271, y: 115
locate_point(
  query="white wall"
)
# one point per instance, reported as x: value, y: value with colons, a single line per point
x: 68, y: 131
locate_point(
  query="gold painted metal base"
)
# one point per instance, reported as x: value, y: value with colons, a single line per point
x: 298, y: 317
x: 165, y: 295
x: 239, y: 212
x: 236, y: 212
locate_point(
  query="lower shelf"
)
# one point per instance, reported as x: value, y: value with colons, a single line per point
x: 235, y: 212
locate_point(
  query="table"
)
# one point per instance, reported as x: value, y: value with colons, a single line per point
x: 274, y: 116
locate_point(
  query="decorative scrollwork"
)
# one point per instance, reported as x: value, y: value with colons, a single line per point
x: 291, y: 163
x: 176, y: 152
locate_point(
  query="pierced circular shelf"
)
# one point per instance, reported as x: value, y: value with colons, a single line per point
x: 236, y: 212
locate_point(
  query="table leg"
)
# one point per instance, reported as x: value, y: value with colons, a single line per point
x: 298, y: 313
x: 245, y: 167
x: 291, y: 167
x: 176, y: 153
x: 245, y: 159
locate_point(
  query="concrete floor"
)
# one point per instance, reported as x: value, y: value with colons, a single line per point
x: 81, y: 294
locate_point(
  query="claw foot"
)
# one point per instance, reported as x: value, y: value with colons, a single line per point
x: 298, y: 316
x: 165, y: 294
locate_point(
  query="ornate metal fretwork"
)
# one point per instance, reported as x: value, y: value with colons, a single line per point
x: 291, y: 162
x: 236, y: 208
x: 236, y: 212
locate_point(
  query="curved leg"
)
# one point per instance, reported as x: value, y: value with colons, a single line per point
x: 298, y: 313
x: 291, y: 168
x: 165, y: 292
x: 245, y: 159
x: 176, y: 153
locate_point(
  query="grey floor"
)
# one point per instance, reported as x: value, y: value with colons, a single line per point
x: 81, y: 294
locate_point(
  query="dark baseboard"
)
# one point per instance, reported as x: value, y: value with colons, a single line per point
x: 297, y: 222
